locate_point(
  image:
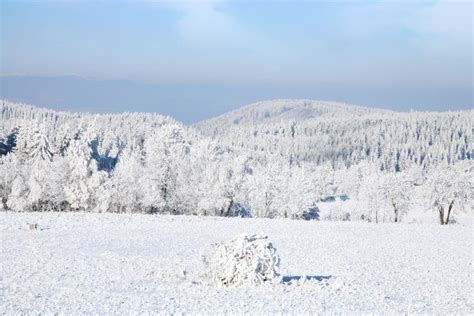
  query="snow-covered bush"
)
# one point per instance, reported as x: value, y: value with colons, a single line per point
x: 310, y: 214
x: 245, y: 260
x: 239, y: 210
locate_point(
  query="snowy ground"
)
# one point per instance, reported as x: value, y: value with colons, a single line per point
x: 106, y: 263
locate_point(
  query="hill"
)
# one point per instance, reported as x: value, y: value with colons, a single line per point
x: 343, y: 135
x: 284, y: 110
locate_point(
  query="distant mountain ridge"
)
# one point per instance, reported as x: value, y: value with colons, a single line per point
x: 280, y: 110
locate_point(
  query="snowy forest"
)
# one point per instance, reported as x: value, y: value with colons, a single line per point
x: 299, y: 159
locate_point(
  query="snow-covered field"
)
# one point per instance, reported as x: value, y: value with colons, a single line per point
x: 121, y: 264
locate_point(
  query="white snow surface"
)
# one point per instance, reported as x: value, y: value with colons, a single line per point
x: 85, y: 263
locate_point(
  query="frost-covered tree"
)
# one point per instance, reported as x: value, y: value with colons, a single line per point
x: 125, y: 189
x: 164, y: 149
x: 298, y: 193
x: 264, y: 191
x: 18, y: 198
x: 10, y: 168
x: 38, y: 146
x: 396, y: 188
x: 83, y: 176
x: 450, y: 187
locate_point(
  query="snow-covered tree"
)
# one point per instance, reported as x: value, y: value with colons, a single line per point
x: 39, y: 147
x: 450, y: 187
x: 125, y: 190
x: 164, y: 149
x: 83, y: 177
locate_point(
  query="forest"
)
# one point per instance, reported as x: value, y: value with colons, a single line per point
x: 282, y: 158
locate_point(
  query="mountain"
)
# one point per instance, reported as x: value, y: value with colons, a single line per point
x: 284, y: 110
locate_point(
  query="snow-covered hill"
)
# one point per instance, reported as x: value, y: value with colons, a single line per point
x: 284, y: 110
x: 340, y: 134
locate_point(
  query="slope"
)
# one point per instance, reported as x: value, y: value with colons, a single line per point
x: 273, y: 111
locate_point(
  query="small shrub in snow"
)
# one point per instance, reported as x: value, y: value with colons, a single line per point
x: 245, y: 260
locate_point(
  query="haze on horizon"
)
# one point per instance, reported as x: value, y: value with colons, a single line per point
x: 196, y: 59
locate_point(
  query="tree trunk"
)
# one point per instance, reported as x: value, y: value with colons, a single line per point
x: 229, y: 208
x: 396, y: 211
x: 449, y: 212
x: 441, y: 215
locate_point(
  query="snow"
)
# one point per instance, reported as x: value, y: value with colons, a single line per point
x: 86, y: 263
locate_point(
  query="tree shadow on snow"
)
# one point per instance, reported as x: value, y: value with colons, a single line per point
x: 318, y: 278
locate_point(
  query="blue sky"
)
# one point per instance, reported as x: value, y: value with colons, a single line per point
x: 396, y: 54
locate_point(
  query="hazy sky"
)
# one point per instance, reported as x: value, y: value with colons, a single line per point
x: 397, y: 54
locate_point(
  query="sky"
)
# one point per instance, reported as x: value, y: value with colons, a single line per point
x: 197, y: 59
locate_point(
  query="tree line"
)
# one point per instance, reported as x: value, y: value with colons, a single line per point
x: 141, y: 162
